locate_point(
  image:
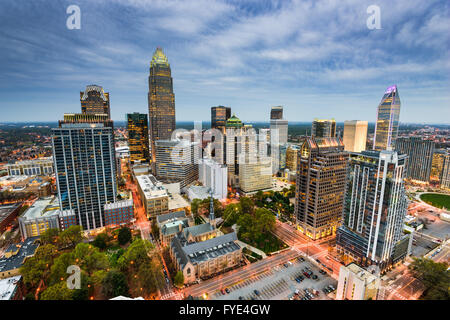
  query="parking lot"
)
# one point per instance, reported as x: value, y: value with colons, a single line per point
x: 422, y: 246
x: 280, y: 283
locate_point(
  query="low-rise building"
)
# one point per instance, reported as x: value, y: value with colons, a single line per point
x: 170, y: 224
x: 15, y: 256
x: 356, y: 283
x: 119, y: 212
x: 199, y: 260
x: 42, y: 215
x: 35, y: 167
x: 213, y: 175
x: 154, y: 196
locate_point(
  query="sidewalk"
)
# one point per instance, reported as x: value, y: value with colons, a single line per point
x: 249, y: 247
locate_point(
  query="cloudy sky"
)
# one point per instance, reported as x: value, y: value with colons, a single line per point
x: 316, y: 58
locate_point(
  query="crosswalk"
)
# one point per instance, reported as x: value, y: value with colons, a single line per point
x: 172, y: 296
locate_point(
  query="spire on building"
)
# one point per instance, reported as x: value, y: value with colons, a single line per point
x: 212, y: 219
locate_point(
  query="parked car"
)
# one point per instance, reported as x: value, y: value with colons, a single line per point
x: 256, y: 292
x: 227, y: 290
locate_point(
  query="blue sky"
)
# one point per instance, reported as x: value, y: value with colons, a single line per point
x: 316, y: 58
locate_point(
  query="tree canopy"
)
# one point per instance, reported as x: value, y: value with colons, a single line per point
x: 434, y: 276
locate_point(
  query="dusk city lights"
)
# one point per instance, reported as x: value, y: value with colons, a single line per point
x: 221, y: 158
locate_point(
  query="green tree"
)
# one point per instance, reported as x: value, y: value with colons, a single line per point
x: 89, y: 258
x: 434, y: 276
x: 101, y: 241
x: 58, y: 291
x: 247, y: 205
x: 179, y: 279
x: 50, y: 236
x: 124, y: 236
x: 38, y: 267
x: 195, y: 205
x: 71, y: 236
x: 114, y: 284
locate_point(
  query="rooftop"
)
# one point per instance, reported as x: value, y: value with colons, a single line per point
x: 44, y: 207
x: 172, y: 216
x: 151, y: 187
x: 361, y: 273
x: 27, y: 248
x: 6, y: 210
x: 8, y: 287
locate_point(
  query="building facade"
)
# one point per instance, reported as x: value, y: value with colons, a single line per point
x: 94, y: 100
x: 320, y: 190
x: 356, y: 283
x: 119, y: 213
x: 420, y: 157
x: 255, y: 174
x: 213, y: 175
x: 375, y: 208
x: 388, y: 114
x: 161, y: 100
x: 292, y: 157
x: 355, y: 135
x: 323, y: 128
x: 219, y: 117
x: 138, y: 143
x: 37, y: 167
x: 276, y: 113
x: 445, y: 175
x: 177, y: 161
x: 154, y: 196
x: 42, y: 215
x: 85, y: 168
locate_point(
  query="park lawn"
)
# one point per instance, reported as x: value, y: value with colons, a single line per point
x: 437, y: 200
x: 268, y: 243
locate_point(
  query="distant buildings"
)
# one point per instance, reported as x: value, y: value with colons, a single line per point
x: 420, y: 157
x: 321, y: 179
x: 292, y: 157
x: 355, y: 135
x: 437, y: 164
x: 213, y: 175
x: 445, y: 175
x: 95, y: 101
x: 356, y: 283
x: 154, y: 196
x: 85, y: 168
x: 161, y: 100
x: 388, y: 113
x: 138, y: 143
x: 375, y: 208
x: 324, y: 128
x: 278, y: 136
x: 37, y: 167
x: 177, y: 161
x: 219, y: 117
x: 276, y: 113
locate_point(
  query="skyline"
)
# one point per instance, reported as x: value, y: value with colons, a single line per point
x: 247, y: 56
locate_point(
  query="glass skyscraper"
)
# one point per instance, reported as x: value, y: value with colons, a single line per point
x: 420, y: 157
x: 84, y: 160
x: 375, y: 208
x: 161, y: 99
x: 388, y: 114
x: 137, y: 127
x: 323, y: 128
x: 219, y: 117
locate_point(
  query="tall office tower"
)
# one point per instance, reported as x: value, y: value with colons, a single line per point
x: 321, y: 177
x: 177, y: 161
x: 213, y: 175
x: 388, y: 114
x: 355, y: 135
x: 323, y: 128
x: 84, y: 161
x: 420, y: 157
x: 292, y: 157
x: 255, y: 174
x: 137, y: 127
x: 161, y: 100
x: 437, y: 164
x: 95, y: 101
x: 375, y: 207
x: 219, y: 117
x: 276, y: 113
x: 445, y: 175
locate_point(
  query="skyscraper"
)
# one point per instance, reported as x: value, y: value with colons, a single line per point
x: 137, y: 126
x: 375, y: 207
x: 161, y: 100
x: 219, y: 117
x: 355, y: 135
x: 276, y: 113
x: 323, y: 128
x: 388, y: 114
x: 445, y: 175
x: 321, y: 178
x: 292, y: 157
x: 177, y: 161
x: 84, y: 161
x: 95, y: 101
x: 420, y: 157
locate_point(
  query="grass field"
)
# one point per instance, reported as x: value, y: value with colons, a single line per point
x: 437, y: 200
